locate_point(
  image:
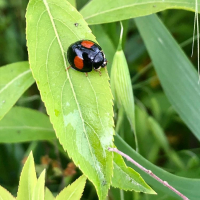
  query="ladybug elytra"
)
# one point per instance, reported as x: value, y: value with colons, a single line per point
x: 84, y: 55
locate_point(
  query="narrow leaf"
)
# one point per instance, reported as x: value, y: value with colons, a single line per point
x: 127, y: 179
x: 162, y: 140
x: 176, y: 73
x: 105, y: 11
x: 73, y: 191
x: 141, y: 117
x: 80, y: 107
x: 38, y: 193
x: 28, y: 180
x: 15, y: 79
x: 23, y: 124
x: 122, y: 88
x: 5, y: 195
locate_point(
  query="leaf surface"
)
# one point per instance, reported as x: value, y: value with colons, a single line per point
x: 187, y: 186
x: 73, y: 191
x: 48, y: 195
x: 38, y: 193
x: 80, y: 107
x: 28, y: 180
x: 106, y: 11
x: 122, y: 88
x: 178, y: 77
x: 126, y: 178
x: 5, y: 195
x: 24, y: 124
x: 15, y: 79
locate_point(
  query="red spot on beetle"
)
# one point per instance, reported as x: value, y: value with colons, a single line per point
x: 87, y: 44
x: 78, y: 62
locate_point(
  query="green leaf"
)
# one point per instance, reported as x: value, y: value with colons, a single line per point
x: 5, y: 195
x: 141, y: 117
x: 159, y: 135
x: 72, y: 2
x: 15, y: 79
x: 126, y: 178
x: 73, y: 191
x: 24, y: 124
x: 188, y: 187
x: 122, y: 88
x: 38, y: 193
x: 178, y: 77
x: 28, y: 180
x: 48, y: 195
x: 106, y: 11
x: 80, y: 107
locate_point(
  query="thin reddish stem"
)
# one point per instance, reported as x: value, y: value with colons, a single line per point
x: 165, y: 183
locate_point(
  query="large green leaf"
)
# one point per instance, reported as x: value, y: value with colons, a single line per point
x: 188, y: 187
x: 80, y: 107
x: 14, y: 81
x: 73, y: 191
x: 23, y: 124
x: 28, y: 180
x: 178, y: 77
x: 105, y: 11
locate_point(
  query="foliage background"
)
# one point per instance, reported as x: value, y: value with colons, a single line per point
x: 164, y: 139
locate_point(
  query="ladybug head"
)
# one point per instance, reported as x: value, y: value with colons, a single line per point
x: 99, y: 61
x: 104, y: 62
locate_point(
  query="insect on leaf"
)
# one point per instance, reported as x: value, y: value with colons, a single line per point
x: 80, y: 107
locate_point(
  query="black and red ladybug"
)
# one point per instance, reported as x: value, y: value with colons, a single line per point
x: 84, y: 55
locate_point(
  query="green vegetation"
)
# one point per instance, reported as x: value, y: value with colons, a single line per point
x: 146, y: 103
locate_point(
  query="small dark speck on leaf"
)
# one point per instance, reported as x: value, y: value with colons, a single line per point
x: 104, y: 182
x: 154, y: 6
x: 76, y: 24
x: 18, y: 132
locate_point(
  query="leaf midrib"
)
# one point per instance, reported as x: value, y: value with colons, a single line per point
x: 26, y: 127
x: 71, y: 85
x: 15, y: 79
x: 62, y: 51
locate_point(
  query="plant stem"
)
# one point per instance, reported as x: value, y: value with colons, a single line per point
x: 121, y: 195
x: 165, y: 183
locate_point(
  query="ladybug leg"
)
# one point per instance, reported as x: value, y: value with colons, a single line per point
x: 68, y: 68
x: 86, y: 74
x: 97, y: 70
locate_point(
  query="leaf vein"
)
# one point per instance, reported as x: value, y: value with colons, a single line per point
x: 130, y: 5
x: 15, y: 79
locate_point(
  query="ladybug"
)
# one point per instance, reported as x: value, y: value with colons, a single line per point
x: 84, y: 55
